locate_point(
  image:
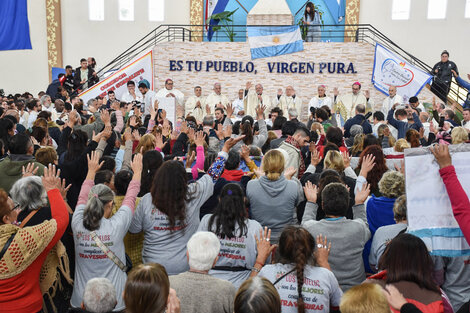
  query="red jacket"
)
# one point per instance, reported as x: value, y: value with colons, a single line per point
x: 21, y: 293
x: 458, y: 199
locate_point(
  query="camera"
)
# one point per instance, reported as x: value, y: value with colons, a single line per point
x: 136, y: 103
x: 312, y: 110
x: 2, y: 93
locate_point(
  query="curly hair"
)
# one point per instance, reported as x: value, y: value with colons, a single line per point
x: 412, y: 136
x: 374, y: 176
x: 401, y: 145
x: 399, y: 209
x: 229, y: 213
x: 459, y: 135
x: 297, y: 245
x: 392, y: 184
x: 170, y: 191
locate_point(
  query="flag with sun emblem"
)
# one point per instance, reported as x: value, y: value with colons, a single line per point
x: 270, y: 41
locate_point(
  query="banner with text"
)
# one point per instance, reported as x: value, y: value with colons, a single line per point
x: 392, y: 70
x: 137, y: 69
x: 430, y: 215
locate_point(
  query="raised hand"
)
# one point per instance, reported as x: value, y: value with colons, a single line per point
x: 229, y: 110
x: 50, y: 179
x: 346, y: 159
x: 248, y: 85
x: 231, y: 142
x: 289, y: 172
x: 245, y: 153
x: 29, y: 170
x: 127, y: 134
x: 263, y: 245
x: 200, y: 138
x: 136, y: 135
x: 367, y: 165
x: 105, y: 117
x: 64, y: 189
x: 190, y: 159
x: 96, y: 137
x: 136, y: 166
x: 159, y: 141
x: 361, y: 195
x: 322, y: 251
x: 94, y: 164
x: 442, y: 155
x: 311, y: 192
x: 260, y: 112
x: 315, y: 157
x: 394, y: 297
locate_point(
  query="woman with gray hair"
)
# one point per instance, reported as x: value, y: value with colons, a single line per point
x: 99, y: 238
x: 385, y: 234
x: 99, y: 296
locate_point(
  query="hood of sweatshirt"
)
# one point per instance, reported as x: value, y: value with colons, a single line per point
x: 273, y: 187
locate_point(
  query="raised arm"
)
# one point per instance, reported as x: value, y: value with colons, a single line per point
x: 134, y: 186
x: 93, y: 166
x: 311, y: 207
x: 199, y: 139
x: 390, y: 119
x: 218, y: 166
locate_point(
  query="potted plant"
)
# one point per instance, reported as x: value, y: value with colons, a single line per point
x: 225, y: 22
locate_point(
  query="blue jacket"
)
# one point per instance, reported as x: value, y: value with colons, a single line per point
x: 465, y: 85
x: 359, y: 119
x: 403, y: 126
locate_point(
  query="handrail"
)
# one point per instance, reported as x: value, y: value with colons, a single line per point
x: 184, y: 32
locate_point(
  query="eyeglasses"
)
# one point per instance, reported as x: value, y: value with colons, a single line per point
x: 16, y: 207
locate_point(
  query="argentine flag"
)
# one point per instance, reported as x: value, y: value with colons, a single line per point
x: 270, y: 41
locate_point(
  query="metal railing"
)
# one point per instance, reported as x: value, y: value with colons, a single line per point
x: 238, y: 33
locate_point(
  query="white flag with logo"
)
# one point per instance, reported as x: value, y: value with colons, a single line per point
x: 391, y: 70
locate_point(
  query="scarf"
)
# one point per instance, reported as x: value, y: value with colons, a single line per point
x: 232, y: 175
x: 290, y: 140
x: 26, y: 246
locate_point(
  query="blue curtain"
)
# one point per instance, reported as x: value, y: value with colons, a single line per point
x: 14, y: 25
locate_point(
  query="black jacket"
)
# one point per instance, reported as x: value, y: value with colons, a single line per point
x: 444, y: 71
x: 359, y: 119
x: 91, y: 79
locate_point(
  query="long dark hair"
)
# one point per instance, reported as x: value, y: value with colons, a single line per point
x: 374, y: 176
x: 170, y: 191
x: 151, y: 162
x: 247, y: 130
x: 230, y: 212
x: 312, y: 10
x: 296, y: 245
x: 416, y: 267
x: 76, y: 144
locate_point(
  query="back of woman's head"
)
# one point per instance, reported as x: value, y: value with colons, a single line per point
x: 46, y: 155
x: 247, y: 129
x: 76, y: 144
x: 401, y: 145
x: 6, y: 126
x: 170, y: 191
x: 399, y: 209
x: 364, y: 298
x: 370, y: 140
x: 104, y: 177
x: 406, y: 258
x: 392, y: 184
x: 412, y: 136
x: 257, y: 295
x: 334, y: 135
x: 334, y: 160
x: 459, y: 135
x: 147, y: 289
x: 358, y: 144
x: 380, y: 167
x: 99, y: 196
x: 296, y: 245
x: 230, y: 212
x: 29, y: 193
x: 151, y: 162
x: 273, y: 164
x: 278, y: 122
x: 147, y: 143
x: 121, y: 181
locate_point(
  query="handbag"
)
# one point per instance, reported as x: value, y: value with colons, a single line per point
x: 110, y: 254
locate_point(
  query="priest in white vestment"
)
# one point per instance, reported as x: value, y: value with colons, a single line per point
x: 255, y: 98
x: 195, y: 105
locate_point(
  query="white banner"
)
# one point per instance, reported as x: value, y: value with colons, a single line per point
x: 392, y: 70
x: 138, y: 68
x: 169, y: 105
x: 430, y: 215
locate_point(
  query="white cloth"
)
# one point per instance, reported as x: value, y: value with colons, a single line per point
x: 238, y: 105
x: 179, y: 96
x: 317, y: 102
x: 287, y: 102
x: 190, y: 107
x: 213, y: 99
x: 33, y: 115
x: 252, y: 102
x: 388, y: 102
x: 466, y: 125
x: 127, y: 97
x: 148, y: 100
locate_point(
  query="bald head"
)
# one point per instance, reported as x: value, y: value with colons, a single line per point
x: 392, y: 91
x: 217, y: 88
x: 290, y: 91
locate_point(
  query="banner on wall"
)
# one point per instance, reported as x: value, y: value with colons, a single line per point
x: 137, y: 69
x: 392, y: 70
x: 430, y: 215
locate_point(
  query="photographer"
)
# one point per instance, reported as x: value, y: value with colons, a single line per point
x: 401, y: 122
x: 442, y: 72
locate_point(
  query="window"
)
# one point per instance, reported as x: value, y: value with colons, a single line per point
x: 401, y: 9
x: 96, y: 10
x: 156, y: 10
x: 437, y: 9
x: 126, y: 10
x: 467, y: 9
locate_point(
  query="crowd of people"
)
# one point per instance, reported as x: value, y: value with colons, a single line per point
x: 239, y: 206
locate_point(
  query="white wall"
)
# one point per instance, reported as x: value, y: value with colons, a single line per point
x: 424, y: 38
x: 104, y: 40
x: 26, y: 70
